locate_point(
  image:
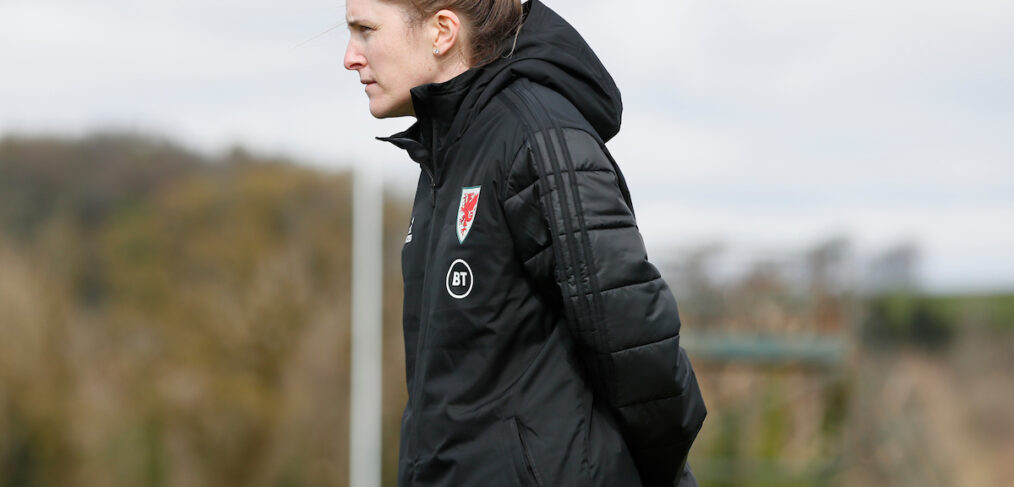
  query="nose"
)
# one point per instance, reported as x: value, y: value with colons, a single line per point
x: 354, y: 59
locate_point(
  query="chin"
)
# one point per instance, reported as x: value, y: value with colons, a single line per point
x: 381, y: 110
x: 389, y: 114
x: 381, y: 114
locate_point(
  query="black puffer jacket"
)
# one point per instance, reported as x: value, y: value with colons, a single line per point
x: 542, y: 348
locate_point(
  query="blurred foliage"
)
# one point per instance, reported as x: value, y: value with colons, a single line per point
x: 781, y: 421
x: 993, y: 310
x: 904, y: 318
x: 921, y: 397
x: 174, y: 319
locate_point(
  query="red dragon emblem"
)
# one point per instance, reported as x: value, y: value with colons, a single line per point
x: 466, y: 211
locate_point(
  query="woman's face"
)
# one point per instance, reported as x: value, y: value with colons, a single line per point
x: 390, y: 55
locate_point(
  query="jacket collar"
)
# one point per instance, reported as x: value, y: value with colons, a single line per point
x: 436, y: 105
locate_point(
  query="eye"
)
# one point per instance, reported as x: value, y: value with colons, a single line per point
x: 361, y: 29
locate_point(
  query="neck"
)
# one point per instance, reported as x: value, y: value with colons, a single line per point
x: 446, y: 73
x: 449, y: 71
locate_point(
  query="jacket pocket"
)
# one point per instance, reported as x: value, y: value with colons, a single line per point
x: 527, y: 473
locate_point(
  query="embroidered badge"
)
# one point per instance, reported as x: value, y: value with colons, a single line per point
x: 466, y: 211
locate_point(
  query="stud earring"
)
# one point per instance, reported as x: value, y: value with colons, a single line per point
x: 436, y: 51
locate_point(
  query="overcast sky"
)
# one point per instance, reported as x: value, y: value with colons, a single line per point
x: 767, y: 125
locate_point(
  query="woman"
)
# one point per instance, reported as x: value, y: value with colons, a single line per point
x: 542, y: 348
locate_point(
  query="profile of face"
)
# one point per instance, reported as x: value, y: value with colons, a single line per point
x: 390, y: 54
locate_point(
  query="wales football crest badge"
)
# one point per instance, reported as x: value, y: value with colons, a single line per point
x: 466, y: 211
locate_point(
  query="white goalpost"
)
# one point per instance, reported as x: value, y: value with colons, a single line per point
x: 367, y: 291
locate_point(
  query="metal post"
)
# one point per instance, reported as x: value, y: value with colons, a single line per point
x: 367, y: 281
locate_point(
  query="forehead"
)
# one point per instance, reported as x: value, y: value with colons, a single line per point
x: 357, y: 10
x: 374, y: 10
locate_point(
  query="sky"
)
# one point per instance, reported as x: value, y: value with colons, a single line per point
x: 766, y: 125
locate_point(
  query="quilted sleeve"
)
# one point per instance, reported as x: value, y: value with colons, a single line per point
x: 574, y: 223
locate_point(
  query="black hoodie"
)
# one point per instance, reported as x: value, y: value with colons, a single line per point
x: 542, y: 348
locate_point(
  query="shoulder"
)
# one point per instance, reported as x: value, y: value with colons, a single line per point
x: 532, y: 123
x: 540, y: 108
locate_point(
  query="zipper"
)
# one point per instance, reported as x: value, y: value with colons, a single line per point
x: 433, y: 185
x: 433, y: 159
x: 424, y: 323
x: 529, y: 460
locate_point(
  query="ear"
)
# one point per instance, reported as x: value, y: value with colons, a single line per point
x: 447, y: 32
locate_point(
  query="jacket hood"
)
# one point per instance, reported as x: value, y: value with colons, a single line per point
x: 548, y: 51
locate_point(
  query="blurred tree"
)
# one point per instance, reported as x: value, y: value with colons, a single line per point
x: 171, y: 319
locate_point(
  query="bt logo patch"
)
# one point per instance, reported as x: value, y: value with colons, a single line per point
x: 459, y: 279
